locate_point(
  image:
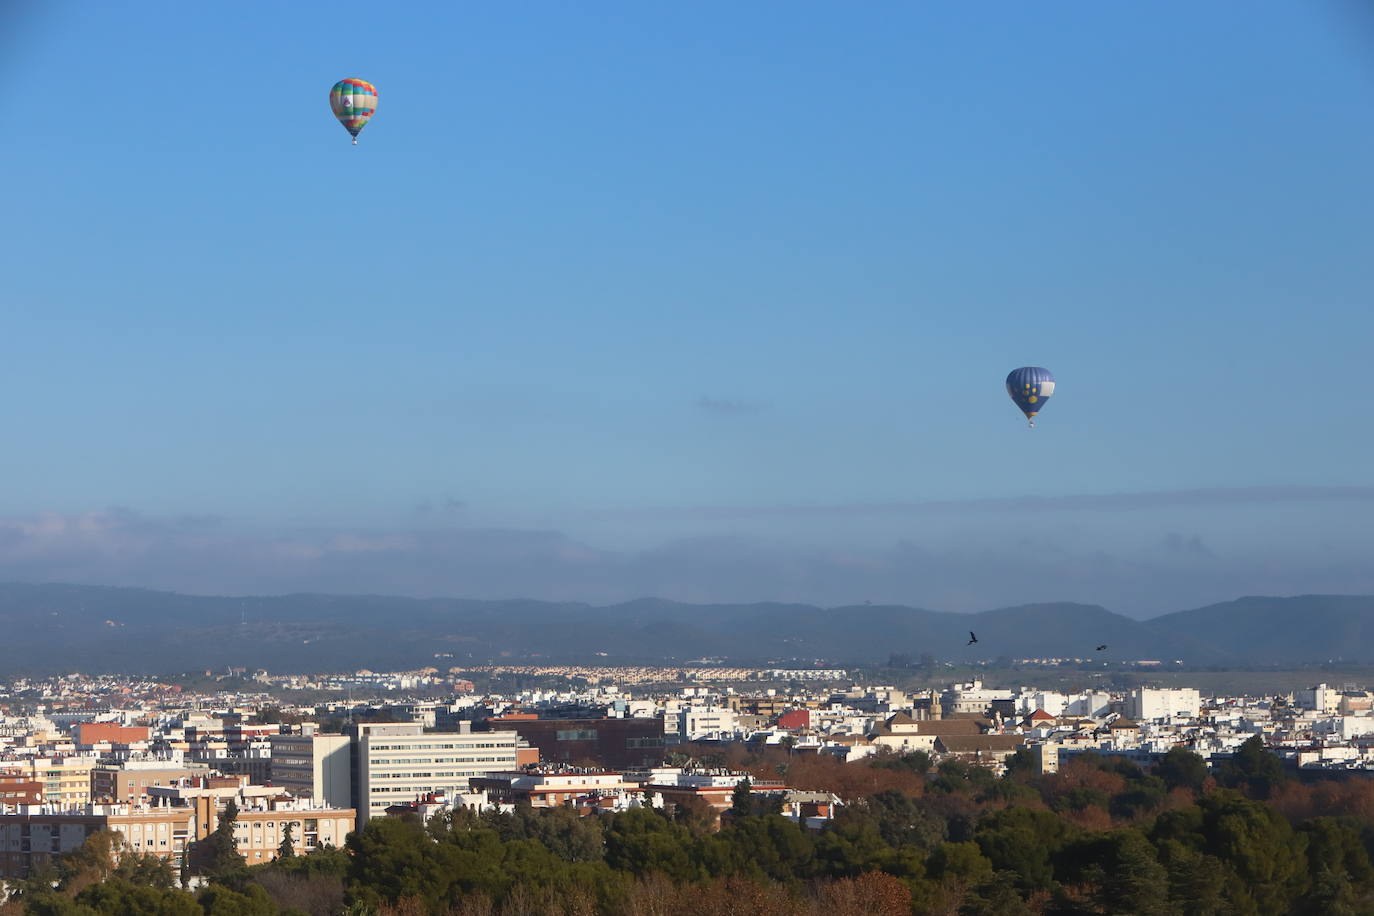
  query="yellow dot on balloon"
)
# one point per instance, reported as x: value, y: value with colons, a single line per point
x: 1033, y: 399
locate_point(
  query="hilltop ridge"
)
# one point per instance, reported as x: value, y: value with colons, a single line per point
x: 93, y: 628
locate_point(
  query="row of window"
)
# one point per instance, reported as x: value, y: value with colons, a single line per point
x: 137, y: 828
x: 466, y: 745
x: 396, y: 761
x: 441, y: 774
x: 404, y: 791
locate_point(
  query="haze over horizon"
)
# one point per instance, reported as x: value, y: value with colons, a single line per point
x: 708, y: 303
x: 948, y: 557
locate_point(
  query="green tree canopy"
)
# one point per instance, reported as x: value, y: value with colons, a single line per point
x: 1253, y: 768
x: 1180, y: 768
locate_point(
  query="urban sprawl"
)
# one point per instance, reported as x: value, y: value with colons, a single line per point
x: 160, y: 763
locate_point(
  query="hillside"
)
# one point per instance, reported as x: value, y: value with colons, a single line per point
x: 1270, y: 631
x: 65, y: 627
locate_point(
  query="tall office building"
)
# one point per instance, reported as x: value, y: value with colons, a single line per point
x: 314, y: 766
x: 396, y: 762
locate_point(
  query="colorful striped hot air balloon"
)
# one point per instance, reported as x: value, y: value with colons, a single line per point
x: 1030, y: 387
x: 354, y: 103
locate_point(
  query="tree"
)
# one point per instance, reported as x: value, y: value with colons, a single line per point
x: 1253, y: 768
x: 1143, y: 795
x: 217, y: 900
x: 771, y: 846
x: 902, y: 819
x: 870, y: 894
x: 696, y: 814
x: 1196, y: 881
x: 995, y: 897
x: 394, y: 858
x: 297, y: 891
x: 851, y: 845
x: 1259, y: 846
x: 1021, y: 763
x: 145, y: 870
x: 1023, y: 841
x: 741, y: 800
x: 1122, y: 871
x: 911, y: 762
x: 1338, y: 865
x: 1180, y: 768
x: 1332, y: 894
x: 566, y: 834
x: 287, y: 849
x: 95, y: 880
x: 90, y: 863
x: 963, y: 862
x: 217, y: 857
x: 118, y: 897
x: 643, y: 841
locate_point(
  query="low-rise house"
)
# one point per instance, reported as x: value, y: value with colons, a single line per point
x: 553, y: 787
x: 714, y: 787
x: 984, y: 750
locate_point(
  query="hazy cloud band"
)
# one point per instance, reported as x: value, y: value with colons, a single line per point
x: 1079, y: 502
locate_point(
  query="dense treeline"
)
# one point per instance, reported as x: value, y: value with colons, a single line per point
x: 1102, y: 835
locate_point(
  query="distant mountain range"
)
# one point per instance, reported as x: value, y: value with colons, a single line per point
x: 46, y: 628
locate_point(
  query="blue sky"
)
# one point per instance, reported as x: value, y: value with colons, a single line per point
x: 678, y: 286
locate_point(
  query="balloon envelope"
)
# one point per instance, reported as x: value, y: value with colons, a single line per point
x: 353, y: 102
x: 1030, y: 387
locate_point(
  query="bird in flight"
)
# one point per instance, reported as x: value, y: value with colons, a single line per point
x: 1101, y: 647
x: 971, y: 638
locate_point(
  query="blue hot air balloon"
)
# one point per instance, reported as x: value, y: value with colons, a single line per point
x: 1030, y: 387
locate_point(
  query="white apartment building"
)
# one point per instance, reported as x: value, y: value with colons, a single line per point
x: 314, y: 766
x: 971, y: 698
x: 396, y: 763
x: 1350, y: 727
x: 1325, y: 700
x: 1095, y: 704
x: 1148, y: 703
x: 1090, y: 705
x: 707, y: 722
x: 1052, y: 702
x: 672, y: 719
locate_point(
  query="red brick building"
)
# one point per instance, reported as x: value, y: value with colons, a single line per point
x: 616, y: 744
x: 18, y: 789
x: 112, y: 732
